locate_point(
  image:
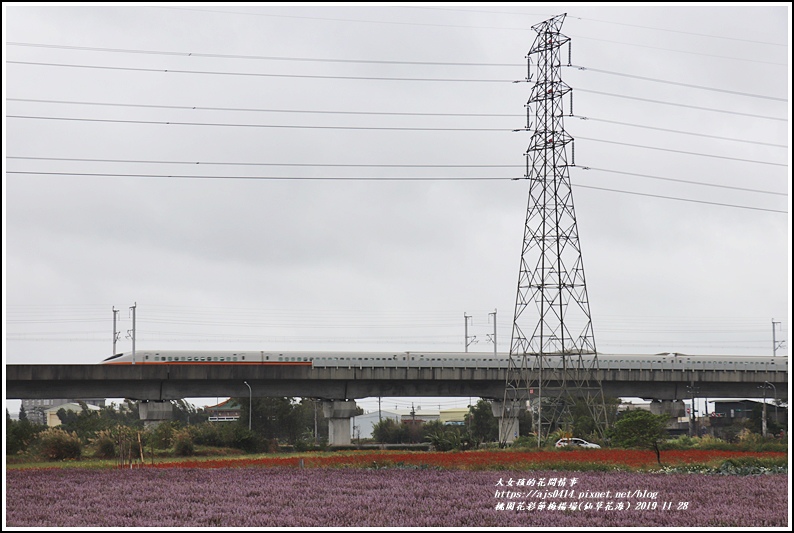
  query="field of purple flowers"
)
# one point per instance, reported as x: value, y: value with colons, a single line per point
x: 280, y: 497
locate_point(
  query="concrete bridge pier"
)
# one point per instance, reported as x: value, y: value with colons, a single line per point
x: 152, y: 412
x: 674, y: 408
x: 339, y: 413
x: 508, y: 426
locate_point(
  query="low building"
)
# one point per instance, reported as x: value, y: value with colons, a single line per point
x: 361, y: 426
x: 51, y: 414
x: 227, y: 411
x: 734, y: 410
x: 417, y: 416
x: 453, y: 417
x: 35, y: 408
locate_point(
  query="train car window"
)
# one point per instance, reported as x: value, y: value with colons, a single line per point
x: 169, y: 357
x: 243, y: 358
x: 189, y: 358
x: 267, y: 358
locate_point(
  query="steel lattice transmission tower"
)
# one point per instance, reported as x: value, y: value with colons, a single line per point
x: 553, y: 352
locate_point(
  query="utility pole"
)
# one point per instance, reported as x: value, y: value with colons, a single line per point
x: 413, y: 422
x: 494, y: 331
x: 692, y: 390
x: 133, y: 331
x: 250, y: 397
x: 314, y: 402
x: 466, y: 331
x: 115, y: 333
x: 775, y: 344
x: 763, y: 416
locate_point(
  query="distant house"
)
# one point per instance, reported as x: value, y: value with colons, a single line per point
x: 361, y: 426
x: 51, y: 414
x: 35, y: 408
x: 227, y: 411
x: 741, y: 409
x: 453, y: 417
x: 417, y: 416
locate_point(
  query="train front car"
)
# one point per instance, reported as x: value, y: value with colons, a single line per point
x: 119, y: 358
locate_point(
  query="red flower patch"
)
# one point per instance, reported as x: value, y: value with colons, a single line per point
x: 478, y: 460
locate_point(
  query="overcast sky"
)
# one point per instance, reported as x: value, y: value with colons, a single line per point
x: 128, y: 130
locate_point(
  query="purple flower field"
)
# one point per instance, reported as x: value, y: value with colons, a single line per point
x: 275, y: 497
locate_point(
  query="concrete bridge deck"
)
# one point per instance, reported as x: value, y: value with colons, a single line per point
x: 170, y: 382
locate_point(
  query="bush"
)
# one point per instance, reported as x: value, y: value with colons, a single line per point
x: 244, y: 439
x: 682, y: 442
x: 104, y: 444
x: 450, y: 438
x: 56, y: 445
x: 183, y: 443
x: 20, y: 435
x: 163, y: 435
x: 526, y: 442
x: 211, y: 434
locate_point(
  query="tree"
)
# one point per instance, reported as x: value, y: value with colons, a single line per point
x: 20, y: 434
x: 278, y: 418
x: 755, y: 420
x: 483, y: 425
x: 85, y: 423
x: 447, y: 437
x: 187, y: 413
x: 389, y: 431
x: 640, y: 429
x: 23, y: 415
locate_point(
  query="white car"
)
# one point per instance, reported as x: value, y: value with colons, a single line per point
x: 575, y: 442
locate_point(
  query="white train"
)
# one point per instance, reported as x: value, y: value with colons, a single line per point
x: 661, y: 361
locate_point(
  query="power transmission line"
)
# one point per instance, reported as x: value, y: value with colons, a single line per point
x: 270, y: 178
x: 685, y: 152
x: 681, y: 181
x: 240, y: 125
x: 681, y: 199
x: 376, y: 78
x: 368, y: 113
x: 360, y: 61
x: 680, y: 84
x: 255, y: 74
x: 267, y: 58
x: 362, y: 165
x: 378, y: 128
x: 338, y: 178
x: 753, y: 115
x: 678, y: 131
x: 250, y: 109
x: 574, y: 17
x: 359, y: 165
